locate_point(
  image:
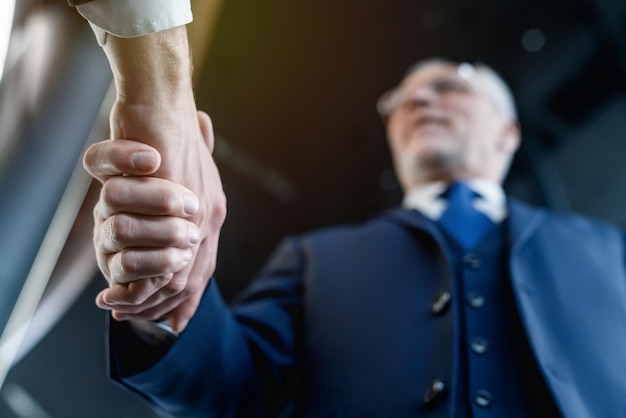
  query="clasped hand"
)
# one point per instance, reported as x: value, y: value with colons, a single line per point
x: 156, y: 231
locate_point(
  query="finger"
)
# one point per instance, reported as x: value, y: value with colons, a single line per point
x: 100, y: 301
x: 131, y: 264
x: 132, y: 293
x: 199, y: 276
x: 123, y: 231
x: 182, y: 314
x: 120, y: 156
x: 146, y: 196
x: 153, y: 313
x: 124, y: 297
x: 178, y: 299
x: 161, y: 303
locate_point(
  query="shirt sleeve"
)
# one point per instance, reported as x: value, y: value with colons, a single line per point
x: 75, y: 3
x: 130, y: 18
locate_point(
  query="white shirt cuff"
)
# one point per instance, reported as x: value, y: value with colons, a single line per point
x: 130, y: 18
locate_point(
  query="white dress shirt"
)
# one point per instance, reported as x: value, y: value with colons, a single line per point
x: 130, y: 18
x: 427, y: 199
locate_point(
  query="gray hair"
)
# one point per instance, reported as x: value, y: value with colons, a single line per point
x: 482, y: 77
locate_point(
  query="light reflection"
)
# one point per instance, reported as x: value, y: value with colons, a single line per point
x: 7, y: 9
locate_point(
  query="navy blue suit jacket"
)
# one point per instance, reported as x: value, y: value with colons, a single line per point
x: 338, y: 324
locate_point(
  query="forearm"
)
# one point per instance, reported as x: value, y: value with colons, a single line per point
x: 155, y: 101
x: 152, y: 70
x: 146, y: 44
x: 147, y: 47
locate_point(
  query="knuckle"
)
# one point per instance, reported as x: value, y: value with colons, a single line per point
x: 110, y: 232
x: 97, y: 212
x: 111, y: 192
x: 129, y: 263
x: 172, y: 259
x: 120, y: 230
x: 178, y: 231
x: 169, y: 259
x: 116, y: 271
x: 171, y: 203
x: 175, y: 287
x: 131, y: 302
x: 162, y: 280
x: 186, y: 293
x: 190, y: 235
x: 90, y: 159
x: 137, y: 293
x: 192, y: 288
x: 219, y: 210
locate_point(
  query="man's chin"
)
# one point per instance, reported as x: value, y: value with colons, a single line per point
x: 433, y: 149
x: 432, y: 163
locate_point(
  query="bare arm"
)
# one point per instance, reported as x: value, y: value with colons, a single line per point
x: 155, y: 105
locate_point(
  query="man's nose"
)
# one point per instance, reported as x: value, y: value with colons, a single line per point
x: 425, y: 93
x: 423, y: 96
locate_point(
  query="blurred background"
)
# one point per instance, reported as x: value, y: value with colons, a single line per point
x: 291, y: 88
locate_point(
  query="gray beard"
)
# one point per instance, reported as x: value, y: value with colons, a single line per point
x: 438, y: 167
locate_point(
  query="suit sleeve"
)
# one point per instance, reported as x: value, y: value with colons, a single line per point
x: 239, y: 361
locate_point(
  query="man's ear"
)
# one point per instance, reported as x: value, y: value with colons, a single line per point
x: 511, y: 137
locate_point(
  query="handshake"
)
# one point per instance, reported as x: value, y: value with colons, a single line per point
x: 159, y: 215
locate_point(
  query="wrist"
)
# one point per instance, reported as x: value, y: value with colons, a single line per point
x: 173, y: 131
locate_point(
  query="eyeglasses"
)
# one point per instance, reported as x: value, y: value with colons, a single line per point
x: 409, y: 100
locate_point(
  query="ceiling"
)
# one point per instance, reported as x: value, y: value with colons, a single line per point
x: 292, y: 86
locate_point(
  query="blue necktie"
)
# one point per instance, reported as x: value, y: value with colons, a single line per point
x: 461, y: 219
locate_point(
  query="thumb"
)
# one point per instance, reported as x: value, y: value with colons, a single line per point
x: 115, y: 157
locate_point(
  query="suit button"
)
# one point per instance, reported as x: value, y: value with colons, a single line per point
x: 441, y: 302
x: 433, y: 392
x: 479, y: 345
x: 475, y: 300
x: 483, y: 398
x: 471, y: 261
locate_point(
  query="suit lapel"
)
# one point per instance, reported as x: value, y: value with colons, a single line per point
x: 411, y: 218
x: 567, y: 306
x: 523, y: 223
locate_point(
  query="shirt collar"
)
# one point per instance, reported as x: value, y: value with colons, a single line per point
x: 426, y: 199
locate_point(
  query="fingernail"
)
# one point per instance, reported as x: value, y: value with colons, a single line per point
x: 191, y: 204
x: 194, y: 234
x: 144, y: 160
x: 187, y: 255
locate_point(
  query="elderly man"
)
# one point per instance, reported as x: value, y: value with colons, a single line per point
x: 461, y: 303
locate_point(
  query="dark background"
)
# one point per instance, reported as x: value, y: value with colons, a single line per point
x: 291, y: 87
